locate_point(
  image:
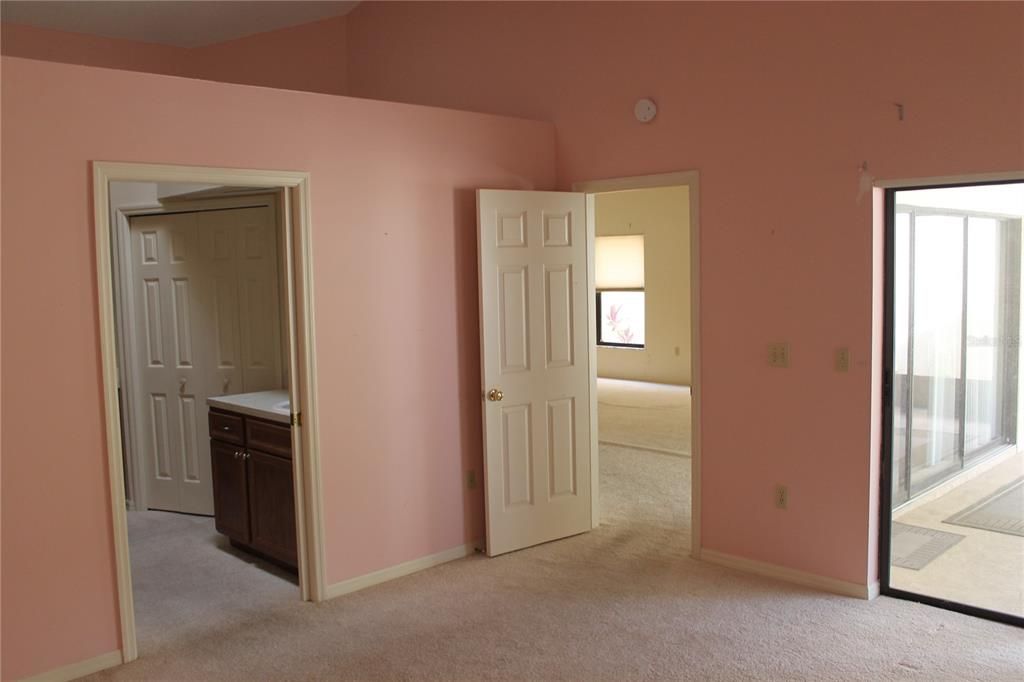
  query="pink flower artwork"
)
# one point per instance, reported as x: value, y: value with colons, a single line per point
x: 621, y: 330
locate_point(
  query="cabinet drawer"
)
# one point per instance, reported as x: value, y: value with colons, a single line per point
x: 226, y: 427
x: 268, y: 437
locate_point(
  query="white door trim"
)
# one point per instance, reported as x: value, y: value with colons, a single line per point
x: 692, y: 180
x: 305, y: 439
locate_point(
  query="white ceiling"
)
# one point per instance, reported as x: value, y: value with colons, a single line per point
x: 171, y: 22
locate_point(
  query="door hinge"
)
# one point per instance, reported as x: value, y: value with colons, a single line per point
x: 296, y: 419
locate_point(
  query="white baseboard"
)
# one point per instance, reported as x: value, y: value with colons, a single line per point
x: 398, y: 570
x: 80, y: 669
x: 791, y: 575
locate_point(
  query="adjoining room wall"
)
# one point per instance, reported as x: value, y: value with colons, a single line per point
x: 777, y: 105
x: 133, y: 194
x: 395, y: 272
x: 310, y: 57
x: 662, y: 215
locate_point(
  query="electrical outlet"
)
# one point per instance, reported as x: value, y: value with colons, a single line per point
x: 778, y: 354
x: 471, y: 479
x: 843, y: 360
x: 781, y: 497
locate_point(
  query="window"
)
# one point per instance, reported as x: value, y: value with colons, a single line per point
x: 619, y: 270
x: 621, y: 320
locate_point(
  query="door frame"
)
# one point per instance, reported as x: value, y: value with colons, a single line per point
x: 136, y: 490
x: 885, y: 464
x: 690, y: 179
x: 298, y: 260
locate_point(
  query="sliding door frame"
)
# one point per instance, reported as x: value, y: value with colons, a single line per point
x: 888, y: 351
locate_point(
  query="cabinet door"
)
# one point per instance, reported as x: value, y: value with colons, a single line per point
x: 230, y: 491
x: 272, y: 507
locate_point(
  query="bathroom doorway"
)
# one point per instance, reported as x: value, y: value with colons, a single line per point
x: 206, y: 325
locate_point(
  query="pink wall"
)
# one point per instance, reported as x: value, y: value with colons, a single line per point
x: 776, y: 105
x: 309, y: 57
x: 395, y: 274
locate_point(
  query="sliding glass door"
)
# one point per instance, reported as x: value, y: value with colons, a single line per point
x: 952, y: 352
x: 990, y: 357
x: 955, y: 313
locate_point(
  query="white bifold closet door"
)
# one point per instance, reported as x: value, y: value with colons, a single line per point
x: 206, y: 309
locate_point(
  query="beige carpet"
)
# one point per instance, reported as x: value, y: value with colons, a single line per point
x: 642, y: 489
x: 644, y: 415
x: 187, y: 577
x: 623, y: 602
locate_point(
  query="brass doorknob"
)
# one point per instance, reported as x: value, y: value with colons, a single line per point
x: 495, y: 394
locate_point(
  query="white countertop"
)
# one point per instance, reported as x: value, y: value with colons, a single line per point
x: 272, y: 405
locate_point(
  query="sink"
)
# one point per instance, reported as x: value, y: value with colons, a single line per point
x: 274, y: 405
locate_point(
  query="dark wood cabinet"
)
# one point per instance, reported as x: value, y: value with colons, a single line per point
x: 230, y: 490
x: 227, y: 427
x: 275, y: 439
x: 270, y: 482
x: 253, y: 485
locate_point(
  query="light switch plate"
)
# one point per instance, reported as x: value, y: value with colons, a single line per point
x: 843, y: 360
x: 781, y: 497
x: 778, y: 354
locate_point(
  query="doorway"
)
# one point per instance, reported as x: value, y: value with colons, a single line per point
x: 539, y: 330
x: 212, y: 280
x: 672, y: 436
x: 953, y: 472
x: 644, y: 369
x: 199, y: 313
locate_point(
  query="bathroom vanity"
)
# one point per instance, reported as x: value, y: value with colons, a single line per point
x: 253, y: 486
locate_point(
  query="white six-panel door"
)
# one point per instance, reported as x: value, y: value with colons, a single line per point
x: 535, y: 343
x: 206, y: 323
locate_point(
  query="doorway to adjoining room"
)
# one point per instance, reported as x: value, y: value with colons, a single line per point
x: 644, y: 359
x: 575, y: 442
